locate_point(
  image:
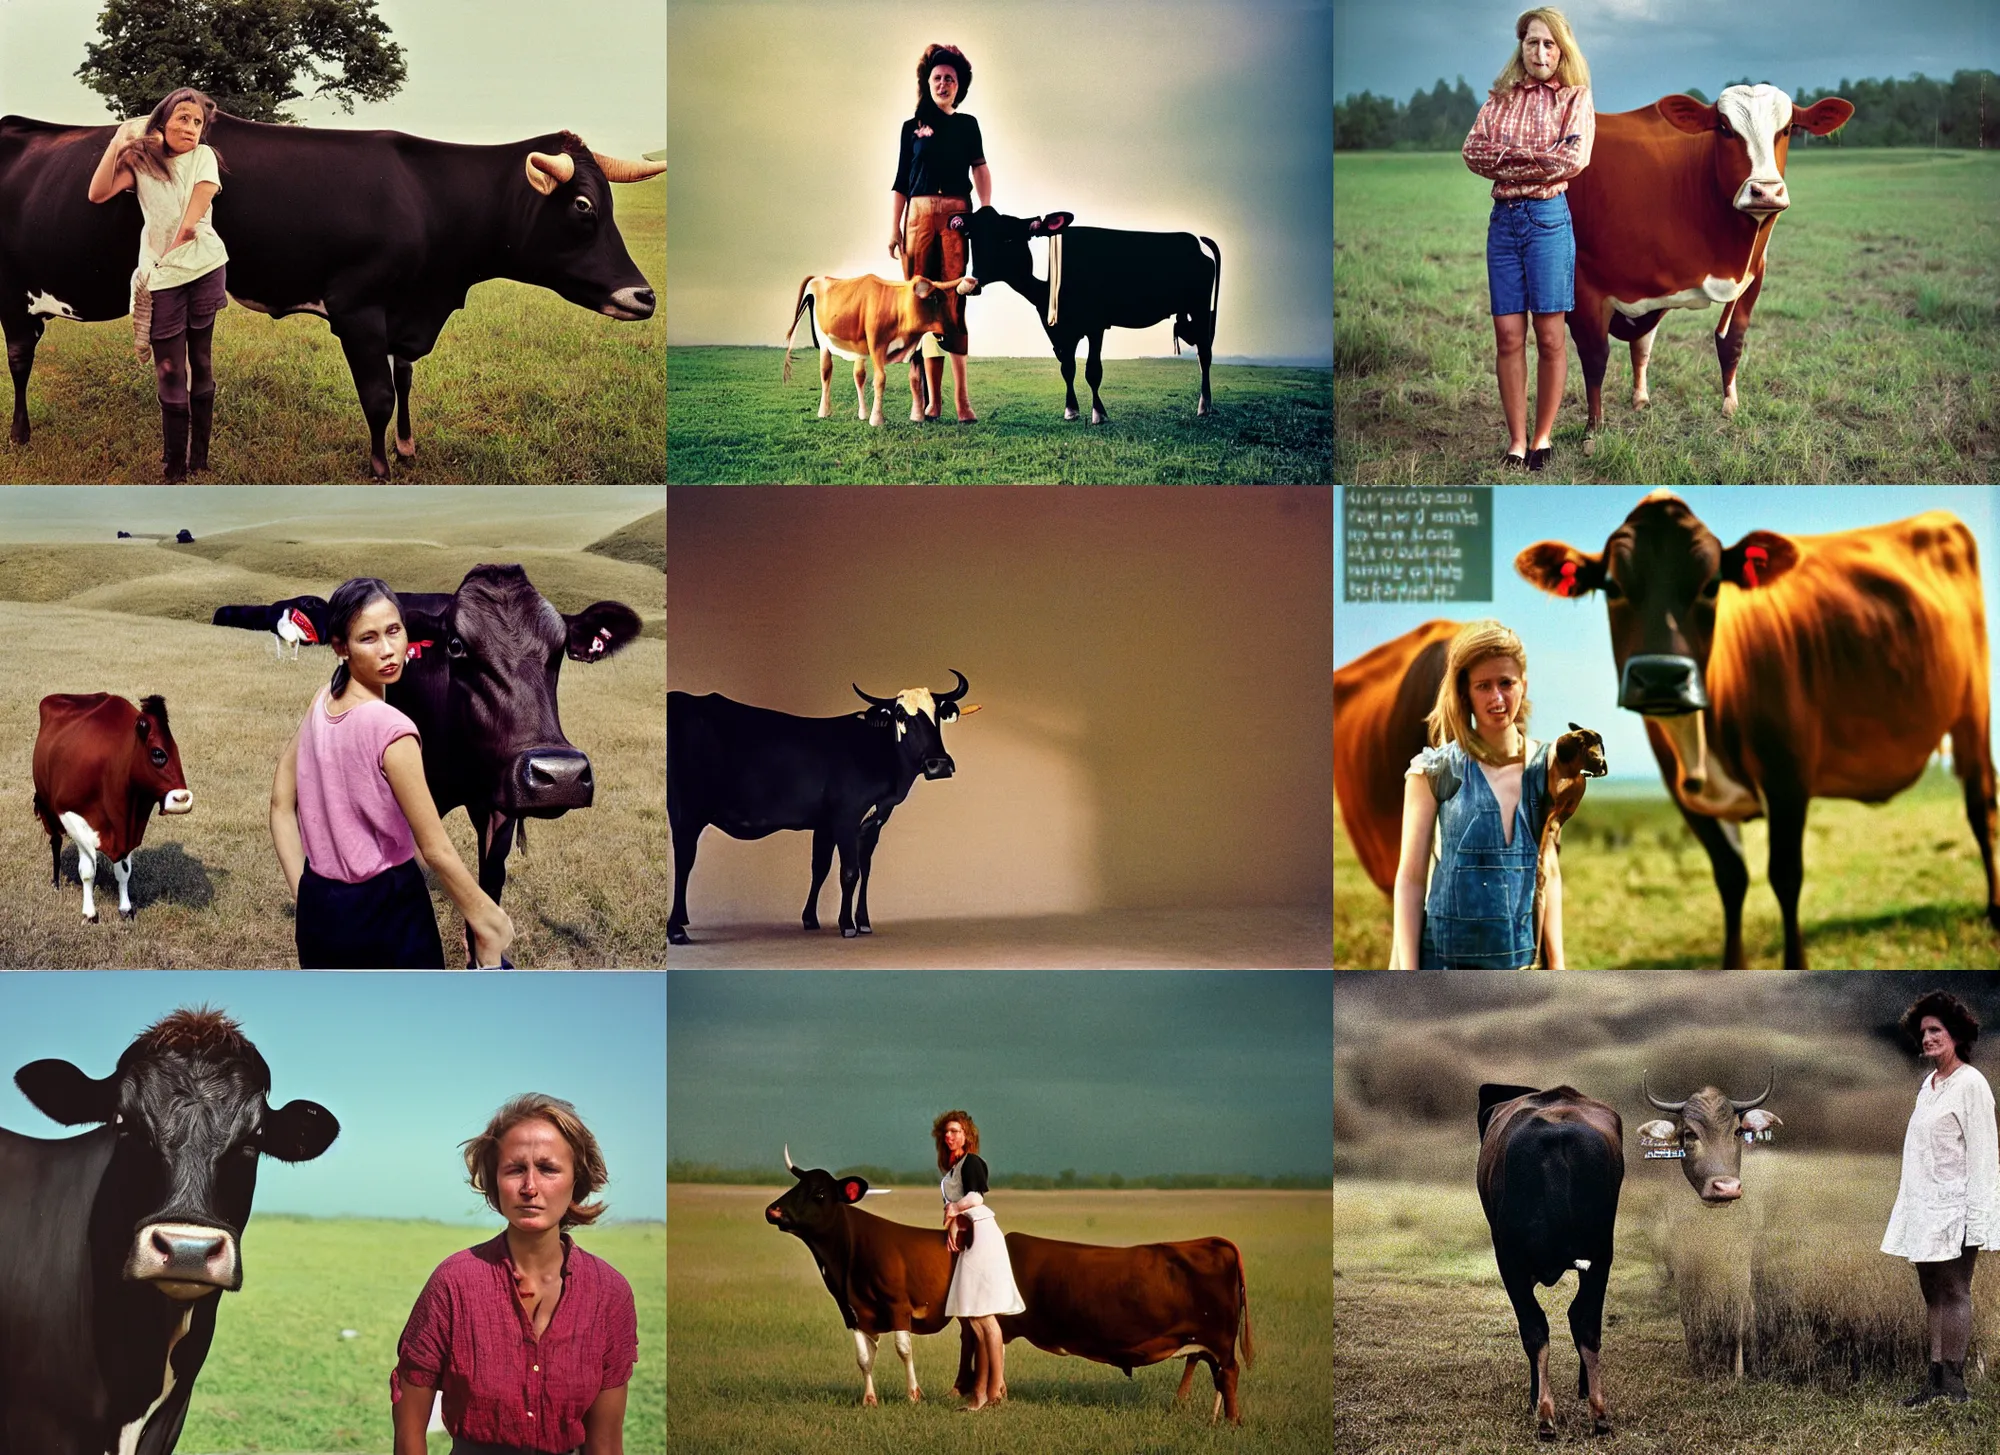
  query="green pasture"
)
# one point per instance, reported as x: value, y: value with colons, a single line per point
x: 733, y: 421
x: 760, y: 1361
x: 1895, y: 886
x: 1871, y: 355
x: 280, y: 1376
x: 523, y: 388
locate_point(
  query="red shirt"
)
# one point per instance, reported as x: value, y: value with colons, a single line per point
x: 1519, y: 139
x: 470, y: 1337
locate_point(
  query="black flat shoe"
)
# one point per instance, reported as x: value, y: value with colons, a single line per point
x: 1512, y: 461
x: 1538, y: 458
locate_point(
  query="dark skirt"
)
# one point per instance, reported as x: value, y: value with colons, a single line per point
x: 192, y: 305
x: 382, y: 923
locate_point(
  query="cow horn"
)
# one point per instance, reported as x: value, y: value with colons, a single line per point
x: 872, y: 701
x: 941, y: 698
x: 1662, y: 1105
x: 1770, y: 1080
x: 546, y: 173
x: 617, y: 169
x: 788, y: 1160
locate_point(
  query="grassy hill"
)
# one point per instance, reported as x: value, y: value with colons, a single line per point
x: 643, y: 542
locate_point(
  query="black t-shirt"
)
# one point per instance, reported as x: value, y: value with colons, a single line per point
x: 939, y: 165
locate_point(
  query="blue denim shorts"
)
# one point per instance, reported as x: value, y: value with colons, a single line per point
x: 1531, y: 256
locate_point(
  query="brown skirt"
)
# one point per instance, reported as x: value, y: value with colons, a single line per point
x: 931, y: 248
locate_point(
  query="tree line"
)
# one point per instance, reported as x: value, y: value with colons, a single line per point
x: 1917, y: 112
x: 679, y: 1170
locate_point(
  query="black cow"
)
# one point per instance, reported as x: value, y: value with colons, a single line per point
x: 379, y: 233
x: 1103, y: 278
x: 113, y: 1243
x: 1550, y: 1166
x: 300, y: 620
x: 751, y: 772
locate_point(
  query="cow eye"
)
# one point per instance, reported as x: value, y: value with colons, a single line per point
x: 159, y: 757
x: 1612, y: 591
x: 1712, y: 589
x: 583, y: 207
x: 454, y: 648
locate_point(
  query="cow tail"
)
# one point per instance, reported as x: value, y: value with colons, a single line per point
x: 1215, y: 292
x: 802, y: 304
x: 1248, y: 1349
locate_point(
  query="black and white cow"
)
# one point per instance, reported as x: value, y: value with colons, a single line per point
x: 1099, y: 278
x: 751, y: 772
x: 296, y: 620
x: 114, y: 1243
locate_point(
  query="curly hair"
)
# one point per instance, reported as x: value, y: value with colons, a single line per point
x: 482, y: 1154
x: 1952, y: 1013
x: 935, y: 56
x: 937, y: 1135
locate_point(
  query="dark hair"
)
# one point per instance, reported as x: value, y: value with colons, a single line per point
x: 935, y: 56
x: 1952, y: 1013
x: 350, y: 598
x: 148, y: 153
x: 937, y: 1135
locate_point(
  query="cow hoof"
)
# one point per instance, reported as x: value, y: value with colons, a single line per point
x: 1069, y: 414
x: 863, y: 930
x: 1545, y: 1432
x: 378, y: 470
x: 811, y: 924
x: 128, y: 914
x: 406, y: 448
x: 1993, y: 915
x: 868, y: 1401
x: 848, y: 932
x: 916, y: 1396
x: 1600, y: 1427
x: 1729, y: 407
x: 1097, y: 416
x: 1590, y: 444
x: 875, y: 422
x: 676, y: 935
x: 90, y: 919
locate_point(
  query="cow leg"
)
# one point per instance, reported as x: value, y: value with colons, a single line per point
x: 822, y: 861
x: 1187, y: 1378
x: 364, y: 339
x: 1639, y: 333
x: 968, y: 1373
x: 864, y: 1355
x: 870, y: 835
x: 1589, y: 326
x: 1729, y: 342
x: 1787, y: 811
x: 825, y: 383
x: 406, y: 438
x: 23, y: 333
x: 86, y: 840
x: 919, y: 400
x: 1724, y: 843
x: 1975, y: 771
x: 686, y: 836
x: 860, y: 388
x: 1586, y: 1327
x: 1093, y: 375
x: 1535, y: 1343
x: 1204, y: 346
x: 881, y: 366
x: 848, y: 842
x: 121, y: 870
x: 1065, y: 347
x: 908, y: 1354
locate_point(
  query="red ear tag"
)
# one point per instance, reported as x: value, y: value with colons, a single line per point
x: 1567, y: 586
x: 853, y: 1191
x: 1752, y: 555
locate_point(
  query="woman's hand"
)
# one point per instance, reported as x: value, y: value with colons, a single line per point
x: 285, y: 816
x: 491, y: 935
x: 895, y: 245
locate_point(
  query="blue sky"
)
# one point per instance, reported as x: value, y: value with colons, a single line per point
x: 411, y: 1064
x: 1571, y: 676
x: 1135, y: 1072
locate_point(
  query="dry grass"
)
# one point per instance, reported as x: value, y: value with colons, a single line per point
x: 643, y: 542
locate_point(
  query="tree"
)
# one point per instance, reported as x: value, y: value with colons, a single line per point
x: 247, y: 54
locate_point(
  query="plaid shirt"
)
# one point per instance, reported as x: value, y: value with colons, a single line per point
x: 469, y: 1336
x: 1532, y: 140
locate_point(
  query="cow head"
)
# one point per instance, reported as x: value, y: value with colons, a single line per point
x: 188, y: 1110
x: 156, y: 760
x: 1000, y: 243
x: 1752, y: 126
x: 1661, y: 574
x: 1713, y: 1131
x: 919, y: 717
x: 814, y: 1206
x: 571, y: 245
x: 490, y: 674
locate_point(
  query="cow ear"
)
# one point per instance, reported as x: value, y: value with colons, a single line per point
x: 957, y: 222
x: 1686, y: 114
x: 1057, y: 221
x: 601, y: 629
x: 853, y: 1189
x: 1826, y: 115
x: 1560, y: 570
x: 880, y: 717
x: 921, y: 286
x: 1758, y: 559
x: 62, y: 1093
x: 299, y: 1131
x: 952, y: 712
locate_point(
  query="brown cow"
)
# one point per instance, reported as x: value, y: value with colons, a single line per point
x: 1675, y: 210
x: 873, y: 318
x: 1380, y: 700
x: 101, y: 764
x: 1830, y: 667
x: 1578, y: 757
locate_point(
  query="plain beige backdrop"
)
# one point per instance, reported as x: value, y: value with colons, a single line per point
x: 1150, y: 664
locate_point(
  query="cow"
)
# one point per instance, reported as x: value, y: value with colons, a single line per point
x: 1550, y: 1166
x: 295, y: 620
x: 1675, y: 210
x: 118, y: 1240
x: 101, y: 765
x: 1578, y: 757
x: 1099, y: 278
x: 751, y: 772
x: 1380, y: 700
x: 1127, y: 1307
x: 379, y: 233
x: 1787, y: 668
x: 873, y: 318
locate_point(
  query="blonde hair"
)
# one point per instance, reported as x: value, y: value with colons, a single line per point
x: 482, y: 1154
x: 1571, y: 70
x: 1450, y: 720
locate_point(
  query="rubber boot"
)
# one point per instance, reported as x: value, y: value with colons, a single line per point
x: 1930, y: 1389
x: 201, y: 419
x: 174, y: 432
x: 1953, y: 1388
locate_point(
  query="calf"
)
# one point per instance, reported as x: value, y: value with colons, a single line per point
x: 100, y: 766
x: 873, y: 318
x: 1579, y: 755
x: 295, y: 620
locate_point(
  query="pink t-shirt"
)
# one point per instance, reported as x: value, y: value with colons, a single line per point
x: 352, y: 826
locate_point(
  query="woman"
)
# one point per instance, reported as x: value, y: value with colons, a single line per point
x: 1533, y: 134
x: 1483, y: 786
x: 531, y: 1338
x: 982, y: 1280
x: 180, y: 284
x: 939, y: 144
x: 351, y: 812
x: 1948, y: 1206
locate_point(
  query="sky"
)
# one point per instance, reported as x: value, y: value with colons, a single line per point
x: 1158, y: 115
x: 411, y: 1064
x: 480, y: 71
x: 1135, y: 1072
x: 1571, y: 675
x: 1641, y: 50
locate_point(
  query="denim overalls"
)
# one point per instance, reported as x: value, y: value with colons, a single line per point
x: 1479, y: 912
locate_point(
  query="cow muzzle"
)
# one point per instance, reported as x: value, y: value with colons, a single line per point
x: 545, y: 782
x: 630, y: 305
x: 178, y: 801
x: 184, y: 1261
x: 1661, y: 685
x: 940, y: 767
x: 1720, y: 1190
x: 1763, y: 198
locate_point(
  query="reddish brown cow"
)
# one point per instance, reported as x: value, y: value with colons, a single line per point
x: 101, y: 765
x: 1380, y: 700
x: 874, y: 318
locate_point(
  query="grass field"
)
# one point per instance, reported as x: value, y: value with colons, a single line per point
x: 132, y: 619
x: 1896, y: 886
x: 761, y: 1362
x: 523, y: 388
x: 1428, y: 1361
x: 280, y: 1377
x: 733, y: 421
x: 1871, y: 355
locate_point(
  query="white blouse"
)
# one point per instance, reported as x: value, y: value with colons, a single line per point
x: 164, y: 205
x: 1950, y: 1197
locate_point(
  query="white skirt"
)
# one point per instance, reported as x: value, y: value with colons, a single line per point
x: 982, y: 1280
